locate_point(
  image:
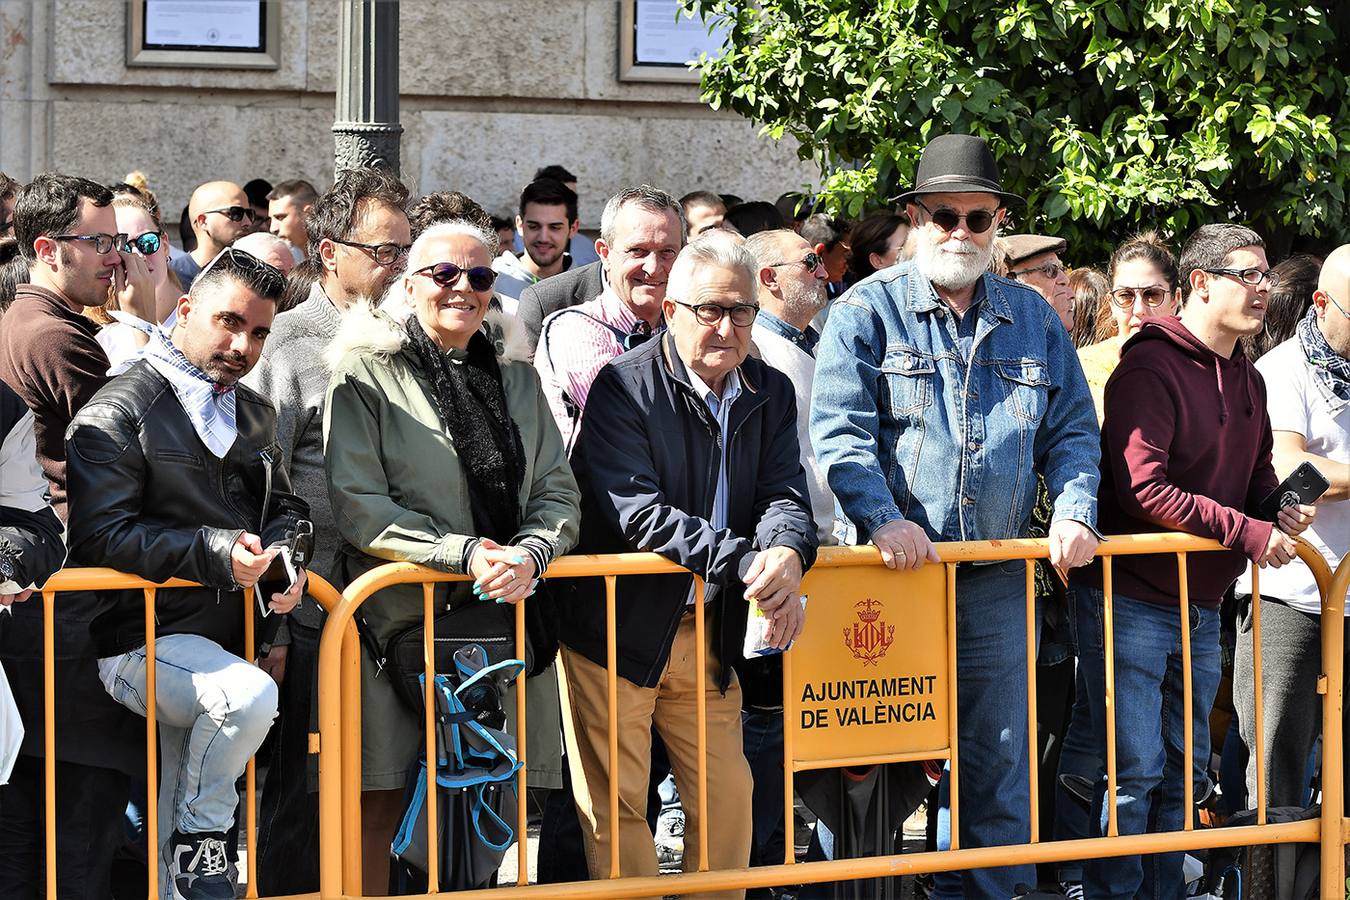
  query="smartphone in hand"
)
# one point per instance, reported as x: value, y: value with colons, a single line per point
x: 1304, y: 486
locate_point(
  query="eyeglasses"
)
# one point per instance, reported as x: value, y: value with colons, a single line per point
x: 446, y: 274
x: 384, y: 254
x: 742, y: 314
x: 1337, y: 305
x: 1126, y: 297
x: 1051, y: 270
x: 1251, y: 277
x: 147, y: 244
x: 103, y: 243
x: 978, y: 221
x: 234, y: 213
x: 811, y: 260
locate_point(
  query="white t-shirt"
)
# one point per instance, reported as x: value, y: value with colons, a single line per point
x: 1298, y: 402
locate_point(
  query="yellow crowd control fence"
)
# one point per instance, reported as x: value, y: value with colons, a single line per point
x: 111, y: 580
x: 847, y: 584
x: 850, y: 579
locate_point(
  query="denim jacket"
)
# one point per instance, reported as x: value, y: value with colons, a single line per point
x: 906, y: 429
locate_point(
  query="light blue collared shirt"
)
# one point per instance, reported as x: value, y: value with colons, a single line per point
x: 720, y: 407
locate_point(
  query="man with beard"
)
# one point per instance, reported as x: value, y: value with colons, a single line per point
x: 359, y: 233
x: 173, y: 474
x: 547, y: 222
x: 792, y: 280
x: 941, y: 391
x: 220, y: 214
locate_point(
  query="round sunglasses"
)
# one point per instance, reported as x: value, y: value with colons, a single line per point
x: 446, y: 274
x: 978, y: 221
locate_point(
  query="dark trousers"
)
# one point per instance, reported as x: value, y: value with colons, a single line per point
x: 288, y: 819
x: 91, y: 806
x: 762, y: 735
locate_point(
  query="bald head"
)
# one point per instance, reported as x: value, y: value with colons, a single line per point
x: 220, y: 214
x: 1332, y: 300
x: 1335, y: 276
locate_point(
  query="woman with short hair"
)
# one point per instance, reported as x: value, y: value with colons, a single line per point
x: 440, y: 450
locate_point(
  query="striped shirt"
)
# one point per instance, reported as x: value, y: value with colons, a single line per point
x: 574, y: 345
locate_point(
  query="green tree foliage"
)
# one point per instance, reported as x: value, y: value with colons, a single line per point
x: 1108, y: 116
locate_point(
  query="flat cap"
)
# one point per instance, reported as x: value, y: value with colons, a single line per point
x: 1024, y: 246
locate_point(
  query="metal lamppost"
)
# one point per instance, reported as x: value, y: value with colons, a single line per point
x: 366, y: 130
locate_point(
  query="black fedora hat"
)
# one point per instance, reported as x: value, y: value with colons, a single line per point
x: 958, y: 164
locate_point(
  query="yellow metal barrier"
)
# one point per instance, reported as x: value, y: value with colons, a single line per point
x: 339, y: 737
x: 111, y: 580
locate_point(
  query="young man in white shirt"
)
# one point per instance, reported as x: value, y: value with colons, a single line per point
x: 1308, y: 397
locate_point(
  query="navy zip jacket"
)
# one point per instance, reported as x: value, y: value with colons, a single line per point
x: 647, y: 462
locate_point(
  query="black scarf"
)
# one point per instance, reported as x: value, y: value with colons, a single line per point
x: 469, y: 396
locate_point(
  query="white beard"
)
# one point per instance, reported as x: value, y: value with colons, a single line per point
x: 952, y: 270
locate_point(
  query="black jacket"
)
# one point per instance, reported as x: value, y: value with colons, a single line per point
x: 148, y: 498
x: 91, y: 728
x: 647, y: 465
x: 32, y: 545
x: 570, y: 288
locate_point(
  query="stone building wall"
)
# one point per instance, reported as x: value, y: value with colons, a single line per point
x: 491, y: 89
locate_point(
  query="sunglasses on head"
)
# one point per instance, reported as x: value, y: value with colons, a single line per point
x: 446, y: 274
x: 147, y: 244
x: 234, y: 213
x: 978, y: 221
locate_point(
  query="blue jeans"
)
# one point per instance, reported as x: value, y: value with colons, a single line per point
x: 214, y: 709
x: 994, y: 792
x: 1150, y: 732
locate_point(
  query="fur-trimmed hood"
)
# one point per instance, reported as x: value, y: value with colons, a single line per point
x: 374, y: 332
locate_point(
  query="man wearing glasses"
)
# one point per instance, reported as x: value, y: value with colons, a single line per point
x: 694, y: 457
x: 220, y: 214
x: 359, y: 234
x: 1186, y: 446
x: 941, y: 392
x: 1033, y: 259
x: 49, y: 356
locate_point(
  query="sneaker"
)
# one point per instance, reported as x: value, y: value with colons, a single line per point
x: 199, y: 867
x: 1071, y: 889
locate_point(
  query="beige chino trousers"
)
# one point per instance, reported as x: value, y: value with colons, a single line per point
x: 671, y: 707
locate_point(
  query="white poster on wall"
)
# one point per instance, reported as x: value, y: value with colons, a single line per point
x: 666, y: 35
x: 223, y: 24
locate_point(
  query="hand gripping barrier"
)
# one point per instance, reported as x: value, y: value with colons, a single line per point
x: 110, y: 580
x: 339, y: 724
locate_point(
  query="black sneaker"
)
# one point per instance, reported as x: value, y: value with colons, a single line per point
x: 199, y: 867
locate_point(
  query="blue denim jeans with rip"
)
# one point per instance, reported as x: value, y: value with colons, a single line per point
x: 214, y: 710
x: 1150, y: 732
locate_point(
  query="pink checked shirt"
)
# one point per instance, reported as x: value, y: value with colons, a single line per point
x: 572, y: 351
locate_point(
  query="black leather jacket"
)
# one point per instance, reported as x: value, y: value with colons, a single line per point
x: 148, y: 498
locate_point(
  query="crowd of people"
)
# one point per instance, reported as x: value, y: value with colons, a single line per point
x: 729, y: 384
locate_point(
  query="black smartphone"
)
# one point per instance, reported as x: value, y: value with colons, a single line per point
x: 1303, y: 486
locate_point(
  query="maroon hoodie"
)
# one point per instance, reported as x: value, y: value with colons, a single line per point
x: 1185, y: 447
